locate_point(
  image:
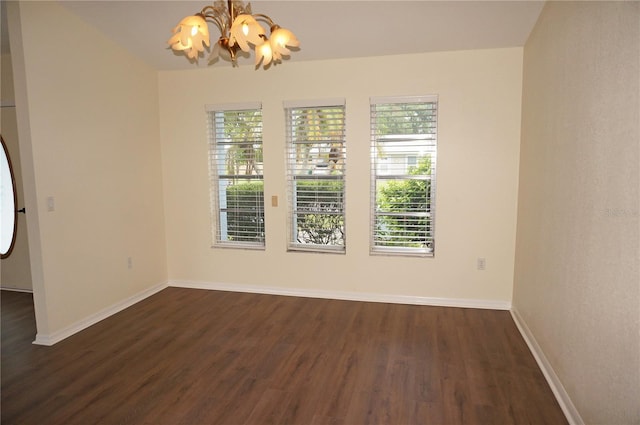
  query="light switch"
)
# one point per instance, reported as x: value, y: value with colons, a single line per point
x: 274, y: 201
x: 51, y: 204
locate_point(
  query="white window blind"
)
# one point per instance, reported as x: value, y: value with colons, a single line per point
x: 236, y: 178
x: 403, y: 170
x: 316, y: 168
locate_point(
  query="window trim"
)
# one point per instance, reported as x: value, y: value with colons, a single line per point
x: 402, y: 250
x: 292, y: 246
x: 215, y: 176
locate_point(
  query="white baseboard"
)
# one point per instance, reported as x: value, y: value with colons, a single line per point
x: 50, y: 339
x: 28, y: 291
x: 347, y: 296
x: 560, y: 393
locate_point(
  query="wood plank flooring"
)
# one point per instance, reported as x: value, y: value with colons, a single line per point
x: 186, y: 356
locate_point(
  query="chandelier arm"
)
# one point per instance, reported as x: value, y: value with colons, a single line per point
x: 265, y: 18
x: 222, y: 27
x: 224, y: 21
x: 206, y: 10
x: 232, y: 12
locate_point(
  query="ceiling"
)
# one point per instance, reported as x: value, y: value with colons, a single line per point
x: 327, y: 29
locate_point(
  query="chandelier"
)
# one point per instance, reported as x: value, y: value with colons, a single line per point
x: 240, y: 29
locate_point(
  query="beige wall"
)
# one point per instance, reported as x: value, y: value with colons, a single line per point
x: 479, y: 132
x: 15, y: 270
x: 88, y: 122
x: 577, y: 278
x: 89, y: 131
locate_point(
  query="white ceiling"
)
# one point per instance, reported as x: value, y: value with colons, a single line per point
x: 326, y: 29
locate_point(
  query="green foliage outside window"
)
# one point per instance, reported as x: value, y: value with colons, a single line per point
x: 319, y: 206
x: 406, y: 196
x: 245, y: 211
x: 245, y: 129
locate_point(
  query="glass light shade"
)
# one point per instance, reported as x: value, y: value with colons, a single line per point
x: 277, y: 57
x: 215, y: 53
x: 244, y: 30
x: 264, y: 54
x: 281, y: 38
x: 190, y: 36
x: 220, y: 50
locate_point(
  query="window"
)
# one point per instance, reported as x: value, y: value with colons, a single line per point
x: 235, y: 161
x: 403, y: 169
x: 316, y: 168
x: 8, y: 222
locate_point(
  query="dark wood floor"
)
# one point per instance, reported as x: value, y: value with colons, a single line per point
x: 186, y: 356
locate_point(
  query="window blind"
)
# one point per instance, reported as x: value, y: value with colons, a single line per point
x: 403, y: 170
x: 316, y: 168
x: 236, y: 175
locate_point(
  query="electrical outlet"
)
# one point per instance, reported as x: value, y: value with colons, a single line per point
x: 129, y: 263
x: 482, y: 263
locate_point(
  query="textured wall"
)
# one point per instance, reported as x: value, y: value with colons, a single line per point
x: 577, y: 279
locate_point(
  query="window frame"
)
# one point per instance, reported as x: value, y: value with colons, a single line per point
x: 291, y: 107
x: 13, y: 207
x: 220, y: 210
x: 430, y: 145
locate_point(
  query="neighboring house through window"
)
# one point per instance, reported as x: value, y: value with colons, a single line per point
x: 316, y: 167
x: 403, y: 165
x: 236, y: 178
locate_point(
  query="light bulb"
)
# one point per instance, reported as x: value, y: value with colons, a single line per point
x: 245, y: 30
x: 264, y: 53
x: 190, y: 36
x: 281, y: 38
